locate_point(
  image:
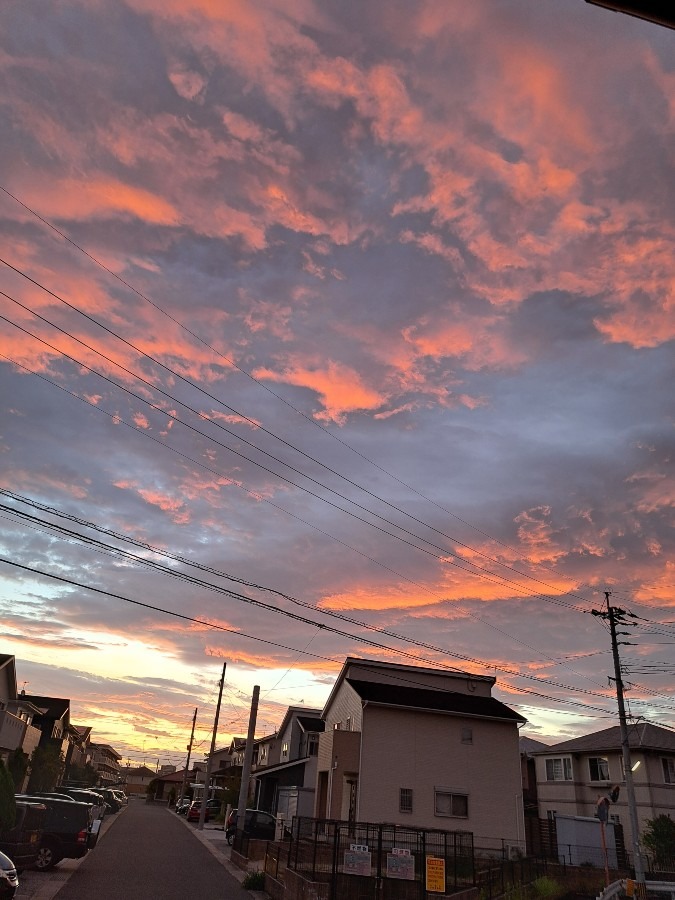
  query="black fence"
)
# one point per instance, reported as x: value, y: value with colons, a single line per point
x: 371, y: 860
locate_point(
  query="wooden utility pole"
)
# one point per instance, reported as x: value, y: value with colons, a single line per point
x: 209, y: 762
x: 614, y: 615
x: 187, y: 764
x: 248, y: 758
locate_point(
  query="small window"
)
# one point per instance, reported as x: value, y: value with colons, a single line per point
x: 337, y: 726
x: 467, y: 736
x: 559, y: 769
x: 313, y: 745
x: 448, y: 803
x: 405, y: 800
x: 598, y: 767
x: 284, y: 748
x: 551, y: 814
x: 668, y: 770
x: 348, y: 724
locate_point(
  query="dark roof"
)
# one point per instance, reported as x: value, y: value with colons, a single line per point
x: 56, y: 707
x: 433, y: 700
x: 643, y: 736
x: 309, y: 723
x: 529, y: 745
x: 272, y: 770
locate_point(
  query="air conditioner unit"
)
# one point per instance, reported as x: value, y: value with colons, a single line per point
x: 513, y: 851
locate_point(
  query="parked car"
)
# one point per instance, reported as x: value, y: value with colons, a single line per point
x: 69, y: 830
x: 84, y: 795
x: 9, y: 880
x: 182, y: 807
x: 113, y: 802
x: 22, y: 842
x: 257, y: 824
x: 121, y: 796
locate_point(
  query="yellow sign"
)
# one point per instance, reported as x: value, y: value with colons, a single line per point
x: 435, y: 874
x: 630, y: 887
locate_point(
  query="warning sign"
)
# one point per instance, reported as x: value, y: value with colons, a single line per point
x: 400, y: 864
x: 357, y: 862
x: 435, y: 874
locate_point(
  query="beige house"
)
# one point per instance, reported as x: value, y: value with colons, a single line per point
x: 421, y: 747
x: 572, y: 775
x: 106, y: 761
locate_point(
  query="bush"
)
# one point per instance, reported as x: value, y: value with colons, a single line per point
x: 254, y: 881
x: 546, y: 888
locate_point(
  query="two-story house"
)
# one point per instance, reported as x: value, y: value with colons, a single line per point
x: 16, y: 714
x: 422, y: 747
x: 286, y: 786
x: 572, y: 775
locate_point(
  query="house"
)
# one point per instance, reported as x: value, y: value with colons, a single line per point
x: 573, y: 774
x: 287, y: 787
x: 136, y: 780
x: 106, y: 761
x: 17, y: 731
x: 422, y: 747
x: 528, y: 770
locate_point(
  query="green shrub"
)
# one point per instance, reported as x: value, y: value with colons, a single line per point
x: 546, y: 888
x: 254, y: 881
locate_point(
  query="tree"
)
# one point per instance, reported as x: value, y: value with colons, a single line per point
x: 658, y: 837
x: 18, y: 766
x: 84, y: 776
x: 7, y: 801
x: 46, y: 767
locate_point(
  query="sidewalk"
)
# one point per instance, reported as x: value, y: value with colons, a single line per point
x: 213, y: 837
x: 34, y: 885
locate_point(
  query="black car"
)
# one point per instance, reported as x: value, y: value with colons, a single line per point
x: 257, y: 824
x: 68, y: 830
x: 9, y: 880
x: 22, y: 842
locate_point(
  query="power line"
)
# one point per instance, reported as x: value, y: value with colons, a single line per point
x: 243, y: 598
x: 249, y: 375
x: 211, y: 396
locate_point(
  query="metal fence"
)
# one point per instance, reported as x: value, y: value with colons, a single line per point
x: 361, y: 860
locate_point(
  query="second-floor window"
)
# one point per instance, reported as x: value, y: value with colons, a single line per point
x: 405, y: 800
x: 559, y: 769
x: 312, y: 744
x: 284, y: 748
x: 668, y: 770
x: 598, y: 768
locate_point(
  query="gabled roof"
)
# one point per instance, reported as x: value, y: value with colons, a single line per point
x: 310, y: 724
x: 296, y: 712
x: 7, y: 660
x: 401, y: 672
x: 431, y: 700
x: 529, y: 745
x: 140, y: 771
x: 52, y: 707
x: 643, y: 736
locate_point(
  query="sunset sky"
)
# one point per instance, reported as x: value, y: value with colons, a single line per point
x: 342, y: 328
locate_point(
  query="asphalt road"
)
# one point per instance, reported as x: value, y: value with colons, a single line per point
x: 150, y: 854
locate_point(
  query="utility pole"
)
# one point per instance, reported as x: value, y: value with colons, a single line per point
x: 248, y: 758
x: 187, y: 764
x: 209, y: 762
x: 614, y: 615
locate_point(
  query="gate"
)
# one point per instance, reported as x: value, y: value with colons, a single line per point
x: 372, y: 861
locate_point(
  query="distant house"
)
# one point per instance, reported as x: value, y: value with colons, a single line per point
x: 421, y: 747
x: 106, y: 760
x: 286, y: 788
x: 572, y: 775
x: 136, y: 780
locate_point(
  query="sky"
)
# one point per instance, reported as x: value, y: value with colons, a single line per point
x: 330, y: 329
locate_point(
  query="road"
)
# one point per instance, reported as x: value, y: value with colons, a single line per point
x: 147, y: 853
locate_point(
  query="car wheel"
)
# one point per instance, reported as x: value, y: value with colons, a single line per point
x: 230, y: 838
x: 46, y: 858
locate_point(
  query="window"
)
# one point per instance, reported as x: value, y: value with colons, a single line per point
x: 598, y: 768
x: 284, y: 748
x: 559, y: 769
x: 447, y: 803
x: 312, y: 745
x: 467, y: 736
x: 405, y: 800
x: 668, y: 770
x: 348, y: 724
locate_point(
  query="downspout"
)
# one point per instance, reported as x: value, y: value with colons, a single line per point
x: 357, y: 814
